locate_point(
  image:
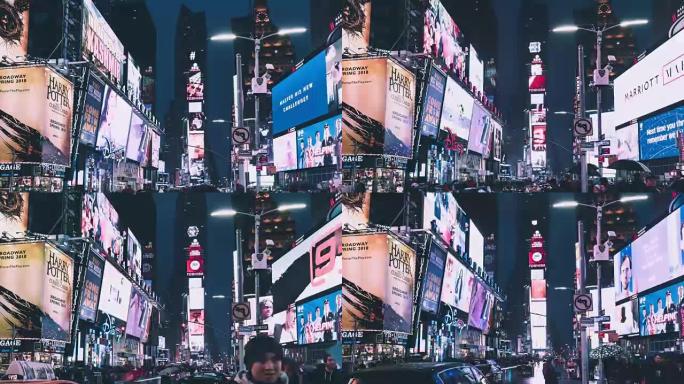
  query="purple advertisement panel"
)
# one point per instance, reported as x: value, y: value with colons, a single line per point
x: 481, y: 302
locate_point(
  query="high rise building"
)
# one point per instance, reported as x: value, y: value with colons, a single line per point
x: 184, y: 143
x: 665, y: 13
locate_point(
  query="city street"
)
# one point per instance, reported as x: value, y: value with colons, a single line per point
x: 341, y: 191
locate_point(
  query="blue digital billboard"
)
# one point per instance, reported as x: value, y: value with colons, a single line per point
x: 432, y: 104
x: 433, y: 278
x: 302, y: 96
x: 659, y: 311
x: 318, y: 320
x: 318, y: 145
x: 658, y: 135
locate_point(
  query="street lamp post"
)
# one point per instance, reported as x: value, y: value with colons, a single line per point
x: 257, y: 224
x: 257, y: 50
x: 599, y: 215
x: 599, y: 31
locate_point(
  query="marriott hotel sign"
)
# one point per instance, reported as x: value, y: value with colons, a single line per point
x: 100, y: 43
x: 654, y: 83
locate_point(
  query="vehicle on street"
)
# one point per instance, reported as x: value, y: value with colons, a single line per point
x: 526, y: 370
x: 490, y: 369
x: 205, y: 378
x: 420, y: 373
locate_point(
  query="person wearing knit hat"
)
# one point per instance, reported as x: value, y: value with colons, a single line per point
x: 263, y: 359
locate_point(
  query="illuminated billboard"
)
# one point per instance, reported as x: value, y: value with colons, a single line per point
x: 195, y: 87
x: 136, y: 149
x: 318, y: 320
x: 443, y: 216
x: 476, y: 245
x: 91, y: 111
x: 660, y: 312
x: 313, y: 266
x: 475, y: 69
x: 442, y: 39
x: 100, y: 44
x: 537, y: 83
x: 658, y: 135
x: 378, y: 108
x: 481, y: 304
x: 285, y: 153
x: 115, y: 294
x: 480, y: 131
x: 91, y: 288
x: 432, y: 286
x: 41, y: 309
x: 14, y: 39
x: 139, y: 312
x: 41, y: 133
x: 382, y: 300
x: 457, y: 284
x: 196, y: 322
x: 457, y: 112
x: 654, y: 83
x: 625, y: 320
x: 432, y: 103
x: 301, y: 96
x: 115, y: 120
x: 100, y: 218
x: 14, y: 221
x: 317, y: 144
x: 134, y: 252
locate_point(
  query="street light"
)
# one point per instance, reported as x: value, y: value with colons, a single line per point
x: 257, y: 48
x: 599, y: 30
x: 257, y: 224
x: 599, y: 215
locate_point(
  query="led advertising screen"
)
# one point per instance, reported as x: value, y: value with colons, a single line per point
x: 400, y: 110
x: 457, y: 284
x: 134, y: 254
x: 481, y: 302
x: 625, y: 320
x: 195, y: 86
x: 41, y: 309
x: 139, y: 310
x: 476, y: 245
x: 14, y: 221
x: 42, y: 133
x: 378, y: 108
x: 136, y: 149
x: 301, y: 96
x: 285, y: 153
x: 480, y: 131
x: 432, y: 287
x: 196, y: 322
x: 333, y: 74
x: 654, y: 83
x: 538, y: 290
x: 442, y: 37
x: 624, y: 280
x: 457, y: 112
x: 497, y: 141
x: 100, y: 43
x: 317, y: 144
x: 657, y: 254
x: 537, y: 83
x: 318, y: 320
x: 91, y: 288
x: 115, y: 120
x: 14, y: 40
x: 133, y: 78
x: 660, y: 311
x: 102, y: 219
x: 624, y: 142
x: 313, y: 266
x: 115, y: 294
x: 196, y: 153
x: 383, y: 300
x: 475, y: 69
x: 658, y: 135
x: 155, y: 145
x: 444, y: 217
x: 91, y: 111
x: 432, y: 103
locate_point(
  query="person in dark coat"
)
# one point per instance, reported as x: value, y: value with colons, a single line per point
x: 328, y: 373
x: 550, y: 375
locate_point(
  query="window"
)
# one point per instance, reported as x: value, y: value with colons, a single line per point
x: 454, y: 376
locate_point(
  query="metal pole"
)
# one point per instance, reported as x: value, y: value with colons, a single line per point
x: 240, y: 295
x: 599, y: 92
x: 599, y: 216
x: 257, y: 225
x: 584, y: 342
x: 240, y: 107
x: 257, y: 122
x: 583, y: 154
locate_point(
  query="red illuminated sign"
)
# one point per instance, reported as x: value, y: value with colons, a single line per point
x: 195, y: 266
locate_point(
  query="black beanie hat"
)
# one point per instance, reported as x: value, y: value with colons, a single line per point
x: 257, y: 348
